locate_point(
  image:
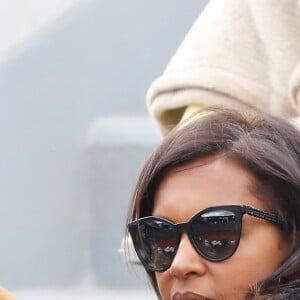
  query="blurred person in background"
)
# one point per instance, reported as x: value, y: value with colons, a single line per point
x: 239, y: 54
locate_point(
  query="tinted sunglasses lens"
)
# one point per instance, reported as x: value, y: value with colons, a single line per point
x: 216, y: 234
x: 155, y: 242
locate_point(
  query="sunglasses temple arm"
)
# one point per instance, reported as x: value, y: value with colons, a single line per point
x: 262, y: 214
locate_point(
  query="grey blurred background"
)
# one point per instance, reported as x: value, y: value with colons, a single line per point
x: 74, y: 134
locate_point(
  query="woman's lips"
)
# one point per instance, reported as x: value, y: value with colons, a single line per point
x: 188, y: 296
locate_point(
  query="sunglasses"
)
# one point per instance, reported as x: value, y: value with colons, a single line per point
x: 214, y: 233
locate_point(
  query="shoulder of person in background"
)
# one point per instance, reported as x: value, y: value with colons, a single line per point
x: 238, y: 54
x: 5, y: 295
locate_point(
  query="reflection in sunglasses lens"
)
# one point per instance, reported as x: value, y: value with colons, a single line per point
x: 215, y: 234
x: 159, y: 243
x: 217, y: 245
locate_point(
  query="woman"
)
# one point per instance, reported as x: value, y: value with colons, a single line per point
x: 216, y: 210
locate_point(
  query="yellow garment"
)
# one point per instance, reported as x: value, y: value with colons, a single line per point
x: 190, y: 115
x: 190, y: 110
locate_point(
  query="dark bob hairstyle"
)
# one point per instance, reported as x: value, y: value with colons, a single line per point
x: 266, y: 146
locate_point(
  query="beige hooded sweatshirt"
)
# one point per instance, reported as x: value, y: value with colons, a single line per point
x: 238, y: 53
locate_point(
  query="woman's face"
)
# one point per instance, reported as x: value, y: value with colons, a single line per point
x: 194, y: 187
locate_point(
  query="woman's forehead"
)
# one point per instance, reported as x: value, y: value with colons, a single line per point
x: 197, y: 186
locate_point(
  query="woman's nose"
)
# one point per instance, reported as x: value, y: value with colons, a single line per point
x: 187, y: 261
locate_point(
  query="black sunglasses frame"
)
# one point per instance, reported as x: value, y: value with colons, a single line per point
x: 179, y: 228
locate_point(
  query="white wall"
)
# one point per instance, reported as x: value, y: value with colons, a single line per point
x: 20, y: 19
